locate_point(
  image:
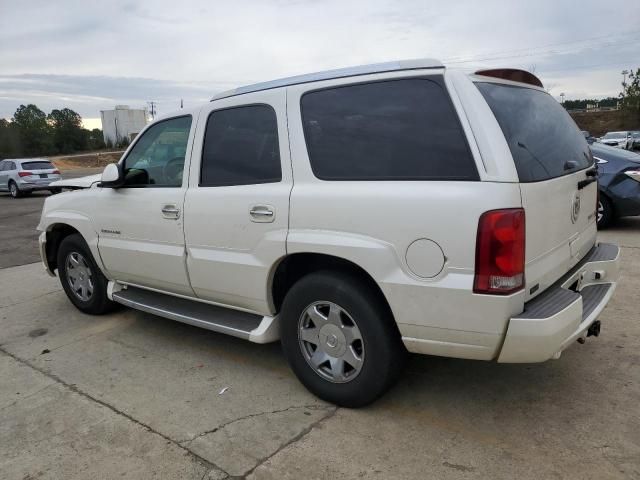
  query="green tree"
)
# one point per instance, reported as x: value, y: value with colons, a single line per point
x: 9, y: 140
x: 630, y: 96
x: 68, y: 134
x: 33, y: 129
x: 95, y: 139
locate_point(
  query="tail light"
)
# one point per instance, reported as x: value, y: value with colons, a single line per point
x: 25, y: 174
x: 56, y: 172
x: 500, y: 252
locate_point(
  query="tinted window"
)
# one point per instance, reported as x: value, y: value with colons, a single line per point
x: 41, y: 165
x: 544, y: 141
x: 241, y: 147
x: 3, y: 166
x: 395, y: 130
x: 157, y: 158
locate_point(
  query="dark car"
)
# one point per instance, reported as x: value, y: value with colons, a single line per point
x: 619, y: 181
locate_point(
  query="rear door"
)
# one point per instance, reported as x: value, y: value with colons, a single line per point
x: 555, y: 169
x: 3, y: 174
x: 237, y: 205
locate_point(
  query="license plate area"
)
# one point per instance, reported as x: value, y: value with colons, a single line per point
x: 43, y: 175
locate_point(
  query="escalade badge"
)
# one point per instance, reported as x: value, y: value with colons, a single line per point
x: 575, y: 208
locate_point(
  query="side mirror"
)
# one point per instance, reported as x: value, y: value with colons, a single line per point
x: 111, y: 176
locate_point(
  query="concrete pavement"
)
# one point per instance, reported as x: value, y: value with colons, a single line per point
x: 133, y: 395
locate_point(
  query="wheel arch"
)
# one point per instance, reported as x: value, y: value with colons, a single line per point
x: 294, y: 266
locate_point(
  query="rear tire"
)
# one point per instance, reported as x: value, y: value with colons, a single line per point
x: 14, y: 191
x: 340, y: 338
x: 604, y: 213
x: 81, y: 278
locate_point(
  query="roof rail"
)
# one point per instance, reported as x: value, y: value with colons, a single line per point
x: 415, y: 64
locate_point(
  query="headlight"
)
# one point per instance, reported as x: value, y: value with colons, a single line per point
x: 633, y: 173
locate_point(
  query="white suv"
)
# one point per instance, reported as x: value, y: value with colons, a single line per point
x: 353, y: 215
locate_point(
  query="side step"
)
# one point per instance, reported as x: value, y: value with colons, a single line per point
x: 247, y: 326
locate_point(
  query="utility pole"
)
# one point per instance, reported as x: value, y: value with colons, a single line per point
x: 181, y: 104
x: 152, y: 108
x: 562, y: 98
x: 624, y: 77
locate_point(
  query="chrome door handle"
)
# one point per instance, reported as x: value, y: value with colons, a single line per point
x: 171, y: 212
x: 262, y: 213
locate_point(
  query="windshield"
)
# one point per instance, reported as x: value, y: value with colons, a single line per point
x: 40, y: 165
x: 615, y: 135
x: 544, y: 141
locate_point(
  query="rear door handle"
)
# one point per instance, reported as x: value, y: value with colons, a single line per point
x: 262, y: 213
x: 171, y: 211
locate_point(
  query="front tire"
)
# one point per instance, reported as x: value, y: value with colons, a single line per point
x: 340, y: 338
x: 604, y: 214
x: 81, y: 278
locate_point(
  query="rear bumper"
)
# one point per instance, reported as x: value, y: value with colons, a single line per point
x: 44, y: 184
x: 563, y: 313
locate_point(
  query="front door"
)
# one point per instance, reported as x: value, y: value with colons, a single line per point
x: 140, y: 225
x: 237, y: 205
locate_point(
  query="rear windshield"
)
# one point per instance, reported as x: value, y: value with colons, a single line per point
x: 41, y: 165
x: 544, y: 141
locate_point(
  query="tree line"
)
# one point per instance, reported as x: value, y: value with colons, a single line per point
x: 582, y: 104
x: 31, y: 132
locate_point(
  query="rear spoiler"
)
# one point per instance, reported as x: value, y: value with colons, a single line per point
x: 512, y: 74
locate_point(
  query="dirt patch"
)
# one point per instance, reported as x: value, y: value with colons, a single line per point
x: 89, y: 160
x: 599, y: 123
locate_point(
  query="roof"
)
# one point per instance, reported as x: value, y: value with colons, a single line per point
x: 415, y: 64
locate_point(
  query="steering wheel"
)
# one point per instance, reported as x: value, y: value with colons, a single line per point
x: 172, y: 170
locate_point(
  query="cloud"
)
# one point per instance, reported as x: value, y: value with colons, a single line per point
x: 91, y: 56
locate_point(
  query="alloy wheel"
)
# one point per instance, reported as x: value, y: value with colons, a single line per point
x: 331, y: 342
x: 79, y: 276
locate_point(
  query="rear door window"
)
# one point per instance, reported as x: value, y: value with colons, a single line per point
x: 241, y: 147
x: 391, y: 130
x: 544, y: 141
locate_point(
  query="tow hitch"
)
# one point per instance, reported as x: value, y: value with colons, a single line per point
x: 594, y: 329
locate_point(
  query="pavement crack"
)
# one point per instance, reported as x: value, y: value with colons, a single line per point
x: 252, y: 415
x: 74, y: 388
x: 333, y: 410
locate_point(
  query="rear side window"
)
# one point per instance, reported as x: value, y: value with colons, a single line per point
x: 544, y: 141
x: 392, y: 130
x: 241, y: 147
x: 37, y: 165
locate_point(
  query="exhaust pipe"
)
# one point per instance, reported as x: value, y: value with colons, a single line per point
x: 594, y: 329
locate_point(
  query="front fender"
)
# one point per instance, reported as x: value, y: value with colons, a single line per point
x: 78, y: 221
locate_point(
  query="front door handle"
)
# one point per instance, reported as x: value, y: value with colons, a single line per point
x: 262, y: 213
x: 171, y: 211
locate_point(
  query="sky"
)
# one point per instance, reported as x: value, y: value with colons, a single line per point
x: 90, y: 56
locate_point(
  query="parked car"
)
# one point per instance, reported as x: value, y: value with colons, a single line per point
x: 21, y: 176
x: 353, y: 215
x: 619, y: 183
x: 635, y: 136
x: 618, y: 140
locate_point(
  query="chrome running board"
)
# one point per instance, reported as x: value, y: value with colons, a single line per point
x: 247, y: 326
